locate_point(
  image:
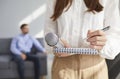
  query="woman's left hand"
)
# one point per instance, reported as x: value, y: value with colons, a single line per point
x: 97, y: 39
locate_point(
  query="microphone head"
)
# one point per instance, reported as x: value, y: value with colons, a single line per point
x: 51, y: 39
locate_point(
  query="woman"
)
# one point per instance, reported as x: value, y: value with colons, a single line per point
x: 73, y: 21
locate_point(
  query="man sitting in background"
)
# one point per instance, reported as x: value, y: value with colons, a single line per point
x: 21, y: 47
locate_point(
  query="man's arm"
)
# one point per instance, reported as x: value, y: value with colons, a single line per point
x: 14, y: 48
x: 38, y: 45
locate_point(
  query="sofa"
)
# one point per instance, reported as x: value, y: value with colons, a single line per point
x: 8, y: 67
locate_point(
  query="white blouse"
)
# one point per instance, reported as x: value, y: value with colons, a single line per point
x: 74, y: 24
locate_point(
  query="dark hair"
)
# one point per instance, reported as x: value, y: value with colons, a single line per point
x: 92, y: 5
x: 23, y: 25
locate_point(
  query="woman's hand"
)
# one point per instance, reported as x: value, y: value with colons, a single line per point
x: 97, y: 39
x: 66, y: 45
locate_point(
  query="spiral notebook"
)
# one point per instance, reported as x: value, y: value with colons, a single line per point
x: 86, y: 51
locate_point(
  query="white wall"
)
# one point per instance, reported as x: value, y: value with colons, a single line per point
x: 12, y: 12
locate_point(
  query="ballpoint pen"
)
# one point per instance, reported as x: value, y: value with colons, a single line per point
x: 104, y: 29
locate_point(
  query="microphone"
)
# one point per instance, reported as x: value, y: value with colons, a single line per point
x: 53, y: 41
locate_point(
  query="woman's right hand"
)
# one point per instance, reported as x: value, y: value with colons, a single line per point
x: 66, y: 45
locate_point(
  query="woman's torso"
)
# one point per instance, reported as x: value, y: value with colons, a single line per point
x: 74, y: 24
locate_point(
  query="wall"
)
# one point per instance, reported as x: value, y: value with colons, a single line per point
x: 13, y: 12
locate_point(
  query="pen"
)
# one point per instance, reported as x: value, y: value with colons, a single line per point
x: 104, y: 29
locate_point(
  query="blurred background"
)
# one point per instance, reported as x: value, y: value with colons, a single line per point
x: 15, y: 12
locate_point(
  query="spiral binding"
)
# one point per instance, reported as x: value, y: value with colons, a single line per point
x: 87, y: 51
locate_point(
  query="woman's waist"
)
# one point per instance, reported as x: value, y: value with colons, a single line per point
x: 83, y: 61
x: 87, y: 61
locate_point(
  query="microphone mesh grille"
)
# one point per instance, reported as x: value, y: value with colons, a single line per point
x: 51, y: 39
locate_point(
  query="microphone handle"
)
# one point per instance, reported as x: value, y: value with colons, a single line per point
x: 85, y: 51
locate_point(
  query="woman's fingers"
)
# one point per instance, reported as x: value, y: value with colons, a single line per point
x: 56, y: 54
x: 62, y: 54
x: 96, y: 33
x: 96, y: 38
x: 66, y: 45
x: 97, y: 43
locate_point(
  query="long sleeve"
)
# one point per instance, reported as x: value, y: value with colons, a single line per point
x: 23, y: 47
x: 50, y: 26
x: 38, y: 45
x: 14, y: 48
x: 112, y: 18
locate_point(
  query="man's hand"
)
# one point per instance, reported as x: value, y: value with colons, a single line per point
x: 66, y: 45
x: 23, y: 56
x: 97, y: 39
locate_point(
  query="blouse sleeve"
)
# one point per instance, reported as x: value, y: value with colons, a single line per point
x: 50, y: 25
x: 112, y: 18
